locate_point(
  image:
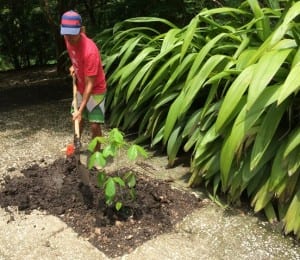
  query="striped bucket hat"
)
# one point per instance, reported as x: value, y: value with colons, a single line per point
x: 70, y: 23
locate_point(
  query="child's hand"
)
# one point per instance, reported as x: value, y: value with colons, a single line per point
x: 72, y: 71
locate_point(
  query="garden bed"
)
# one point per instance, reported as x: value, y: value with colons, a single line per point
x: 57, y: 190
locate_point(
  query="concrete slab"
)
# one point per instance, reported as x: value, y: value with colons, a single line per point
x: 39, y: 236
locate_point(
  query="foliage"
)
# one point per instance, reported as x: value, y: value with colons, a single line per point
x: 25, y: 39
x: 117, y: 189
x: 227, y: 92
x: 29, y: 30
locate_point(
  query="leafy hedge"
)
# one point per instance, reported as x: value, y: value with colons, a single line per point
x: 226, y: 89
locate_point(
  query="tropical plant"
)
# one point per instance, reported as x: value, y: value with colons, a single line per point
x: 121, y: 188
x: 224, y: 88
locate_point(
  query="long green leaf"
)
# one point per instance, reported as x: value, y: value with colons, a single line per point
x: 266, y: 133
x: 223, y: 10
x: 197, y: 82
x: 278, y: 171
x: 262, y: 24
x: 201, y: 56
x: 188, y: 36
x: 233, y: 96
x: 127, y: 49
x: 291, y: 84
x: 262, y: 197
x: 151, y: 20
x: 172, y: 116
x: 179, y: 71
x: 130, y: 67
x: 291, y: 218
x: 170, y: 38
x: 174, y: 144
x: 294, y: 163
x: 162, y: 74
x: 137, y: 79
x: 268, y: 155
x: 293, y: 142
x: 244, y: 121
x: 264, y: 72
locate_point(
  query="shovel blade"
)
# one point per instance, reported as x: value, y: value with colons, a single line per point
x: 82, y: 171
x: 83, y: 174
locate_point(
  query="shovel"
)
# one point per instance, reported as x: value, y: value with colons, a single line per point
x: 82, y: 171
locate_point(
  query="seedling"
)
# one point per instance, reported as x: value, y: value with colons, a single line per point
x: 116, y: 188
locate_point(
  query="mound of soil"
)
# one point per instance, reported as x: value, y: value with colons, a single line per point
x: 57, y: 190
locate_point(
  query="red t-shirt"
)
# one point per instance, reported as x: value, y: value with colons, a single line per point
x: 86, y: 60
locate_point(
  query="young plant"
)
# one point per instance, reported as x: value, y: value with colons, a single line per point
x: 116, y: 188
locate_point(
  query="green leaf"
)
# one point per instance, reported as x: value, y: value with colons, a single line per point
x: 179, y: 71
x: 172, y: 116
x: 264, y: 72
x: 137, y: 79
x: 97, y: 158
x: 195, y: 136
x: 119, y: 181
x: 278, y: 171
x: 266, y: 132
x: 174, y: 143
x: 150, y: 20
x: 293, y: 11
x: 93, y: 143
x: 109, y: 150
x: 197, y: 82
x: 192, y: 123
x: 223, y: 10
x: 128, y: 48
x: 243, y: 123
x: 293, y: 162
x: 170, y: 38
x: 291, y: 84
x: 188, y: 36
x: 268, y: 155
x: 118, y: 205
x: 126, y: 71
x: 141, y: 151
x: 262, y: 23
x: 132, y: 152
x: 101, y: 178
x: 158, y: 137
x: 201, y: 56
x: 210, y: 136
x: 243, y: 60
x: 163, y: 73
x: 270, y: 213
x: 262, y: 197
x: 115, y: 136
x: 291, y: 218
x: 132, y: 193
x: 233, y: 96
x: 110, y: 188
x: 130, y: 179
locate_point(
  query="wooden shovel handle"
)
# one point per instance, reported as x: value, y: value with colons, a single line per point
x: 75, y: 105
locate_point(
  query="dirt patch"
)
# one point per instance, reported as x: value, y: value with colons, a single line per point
x: 56, y: 189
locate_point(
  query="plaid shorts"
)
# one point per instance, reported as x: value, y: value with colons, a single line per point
x: 94, y: 111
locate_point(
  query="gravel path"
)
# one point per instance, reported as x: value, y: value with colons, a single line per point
x: 34, y: 133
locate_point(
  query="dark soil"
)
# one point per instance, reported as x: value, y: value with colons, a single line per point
x: 56, y: 189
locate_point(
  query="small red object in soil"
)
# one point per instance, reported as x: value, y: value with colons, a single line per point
x: 70, y: 150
